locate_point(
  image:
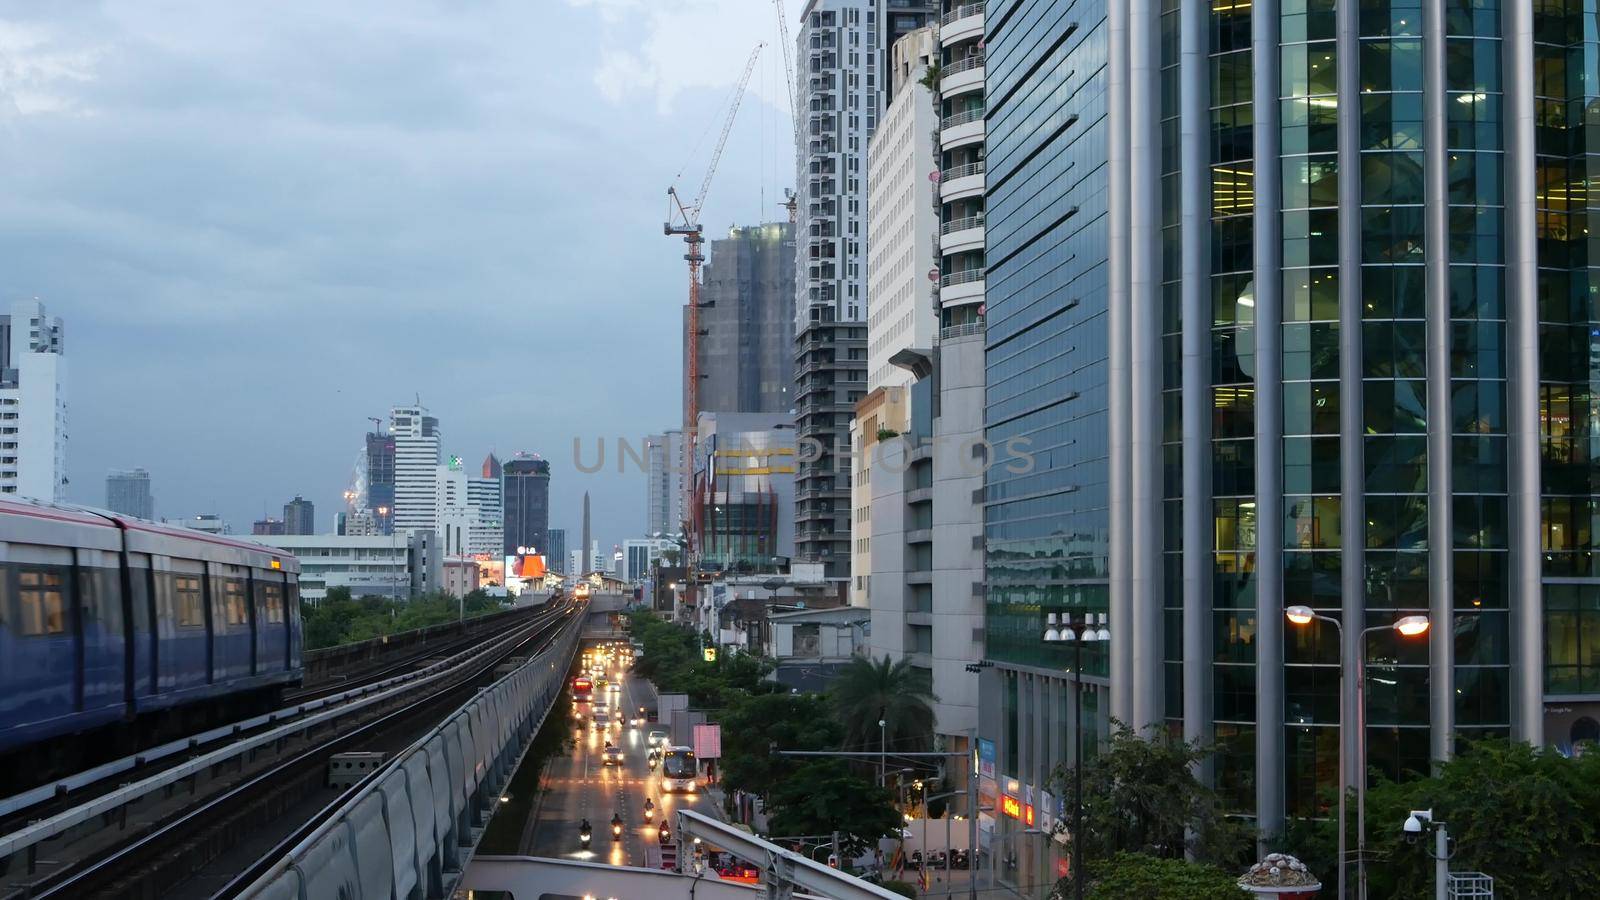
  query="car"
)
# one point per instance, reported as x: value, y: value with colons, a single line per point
x: 656, y: 738
x: 613, y: 756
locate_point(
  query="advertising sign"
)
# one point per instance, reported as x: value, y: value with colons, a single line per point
x: 986, y: 757
x: 1011, y: 806
x: 708, y: 741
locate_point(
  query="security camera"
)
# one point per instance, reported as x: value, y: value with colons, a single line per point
x: 1412, y: 829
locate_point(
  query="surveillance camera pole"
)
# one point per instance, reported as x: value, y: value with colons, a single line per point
x: 1441, y: 853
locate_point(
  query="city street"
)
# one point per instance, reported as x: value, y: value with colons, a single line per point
x: 580, y: 786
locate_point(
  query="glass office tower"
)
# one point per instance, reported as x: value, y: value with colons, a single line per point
x: 1266, y: 354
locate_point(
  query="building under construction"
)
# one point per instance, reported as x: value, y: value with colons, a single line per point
x: 746, y: 346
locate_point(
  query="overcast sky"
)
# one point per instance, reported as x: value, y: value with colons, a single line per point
x: 264, y: 222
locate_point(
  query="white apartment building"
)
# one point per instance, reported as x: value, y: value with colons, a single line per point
x: 484, y: 499
x: 664, y: 483
x: 378, y: 564
x: 416, y: 464
x: 33, y: 404
x: 453, y: 516
x: 902, y: 217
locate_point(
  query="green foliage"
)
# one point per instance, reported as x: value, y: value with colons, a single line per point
x: 672, y: 661
x: 1141, y: 795
x: 867, y: 691
x: 823, y: 796
x: 903, y: 888
x: 342, y: 619
x: 1139, y: 876
x: 1527, y: 816
x: 757, y: 725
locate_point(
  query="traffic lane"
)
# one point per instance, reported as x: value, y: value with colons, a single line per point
x: 579, y: 786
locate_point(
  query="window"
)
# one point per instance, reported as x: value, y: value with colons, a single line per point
x: 188, y: 606
x: 41, y: 602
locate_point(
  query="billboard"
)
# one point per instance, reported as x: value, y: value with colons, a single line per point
x: 708, y: 741
x: 526, y: 567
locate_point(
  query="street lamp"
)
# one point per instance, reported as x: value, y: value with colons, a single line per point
x: 1405, y: 626
x: 1061, y: 631
x: 883, y: 753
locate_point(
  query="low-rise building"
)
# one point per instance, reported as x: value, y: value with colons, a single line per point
x: 368, y: 565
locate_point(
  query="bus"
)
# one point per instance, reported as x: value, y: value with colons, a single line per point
x: 582, y: 689
x: 679, y: 770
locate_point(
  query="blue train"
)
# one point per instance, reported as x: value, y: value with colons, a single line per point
x: 115, y: 631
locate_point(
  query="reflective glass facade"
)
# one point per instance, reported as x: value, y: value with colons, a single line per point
x: 1397, y: 342
x: 1045, y: 521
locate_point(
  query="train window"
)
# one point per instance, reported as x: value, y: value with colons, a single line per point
x: 269, y: 603
x: 231, y: 602
x: 41, y: 602
x: 189, y: 605
x: 99, y: 598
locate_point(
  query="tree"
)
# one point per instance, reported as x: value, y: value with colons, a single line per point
x: 1528, y: 816
x: 1138, y: 876
x: 1141, y: 795
x: 892, y: 691
x: 824, y: 796
x: 758, y: 725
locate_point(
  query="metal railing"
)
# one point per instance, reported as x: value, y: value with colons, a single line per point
x: 962, y: 171
x: 975, y: 61
x: 962, y: 224
x: 967, y: 277
x: 951, y: 332
x: 961, y: 12
x: 962, y: 118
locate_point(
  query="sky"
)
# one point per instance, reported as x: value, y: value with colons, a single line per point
x: 263, y: 223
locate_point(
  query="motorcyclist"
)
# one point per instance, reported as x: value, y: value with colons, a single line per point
x: 585, y: 832
x: 616, y: 826
x: 649, y: 809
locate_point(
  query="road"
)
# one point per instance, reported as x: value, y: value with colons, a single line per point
x: 579, y: 786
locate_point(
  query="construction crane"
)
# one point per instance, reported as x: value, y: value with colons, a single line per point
x: 790, y: 199
x: 684, y: 220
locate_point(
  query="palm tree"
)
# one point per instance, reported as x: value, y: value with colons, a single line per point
x: 867, y: 691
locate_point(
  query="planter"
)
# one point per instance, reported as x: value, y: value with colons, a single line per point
x: 1287, y: 892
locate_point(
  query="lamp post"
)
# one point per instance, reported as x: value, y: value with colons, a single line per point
x: 1405, y: 626
x: 883, y: 753
x: 1060, y: 631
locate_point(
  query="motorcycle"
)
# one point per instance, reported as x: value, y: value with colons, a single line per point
x: 616, y: 828
x: 584, y: 836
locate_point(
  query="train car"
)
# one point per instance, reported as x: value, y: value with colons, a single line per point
x: 581, y: 592
x: 118, y: 627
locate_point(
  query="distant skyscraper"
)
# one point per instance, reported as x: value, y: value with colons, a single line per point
x: 575, y: 565
x: 33, y: 406
x: 664, y: 483
x: 129, y: 493
x: 747, y: 320
x: 556, y: 556
x: 416, y: 463
x: 485, y: 499
x: 593, y: 549
x: 526, y: 489
x: 379, y: 483
x: 299, y: 516
x: 268, y: 526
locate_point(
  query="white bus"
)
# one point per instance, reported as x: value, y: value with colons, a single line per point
x: 679, y: 770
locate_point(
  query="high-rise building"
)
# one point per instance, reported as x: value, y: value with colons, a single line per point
x: 575, y: 566
x: 838, y: 64
x: 268, y: 526
x: 556, y: 556
x: 486, y: 530
x: 747, y: 321
x: 129, y: 493
x: 416, y: 463
x: 664, y: 483
x: 902, y: 220
x: 33, y: 404
x: 454, y: 517
x: 894, y: 20
x: 526, y: 493
x: 1356, y: 384
x: 299, y: 516
x: 588, y: 545
x: 378, y: 480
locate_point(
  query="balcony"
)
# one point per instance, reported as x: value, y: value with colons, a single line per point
x: 964, y: 23
x: 961, y: 182
x: 961, y: 235
x: 961, y: 287
x: 952, y: 333
x: 961, y: 128
x: 963, y: 75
